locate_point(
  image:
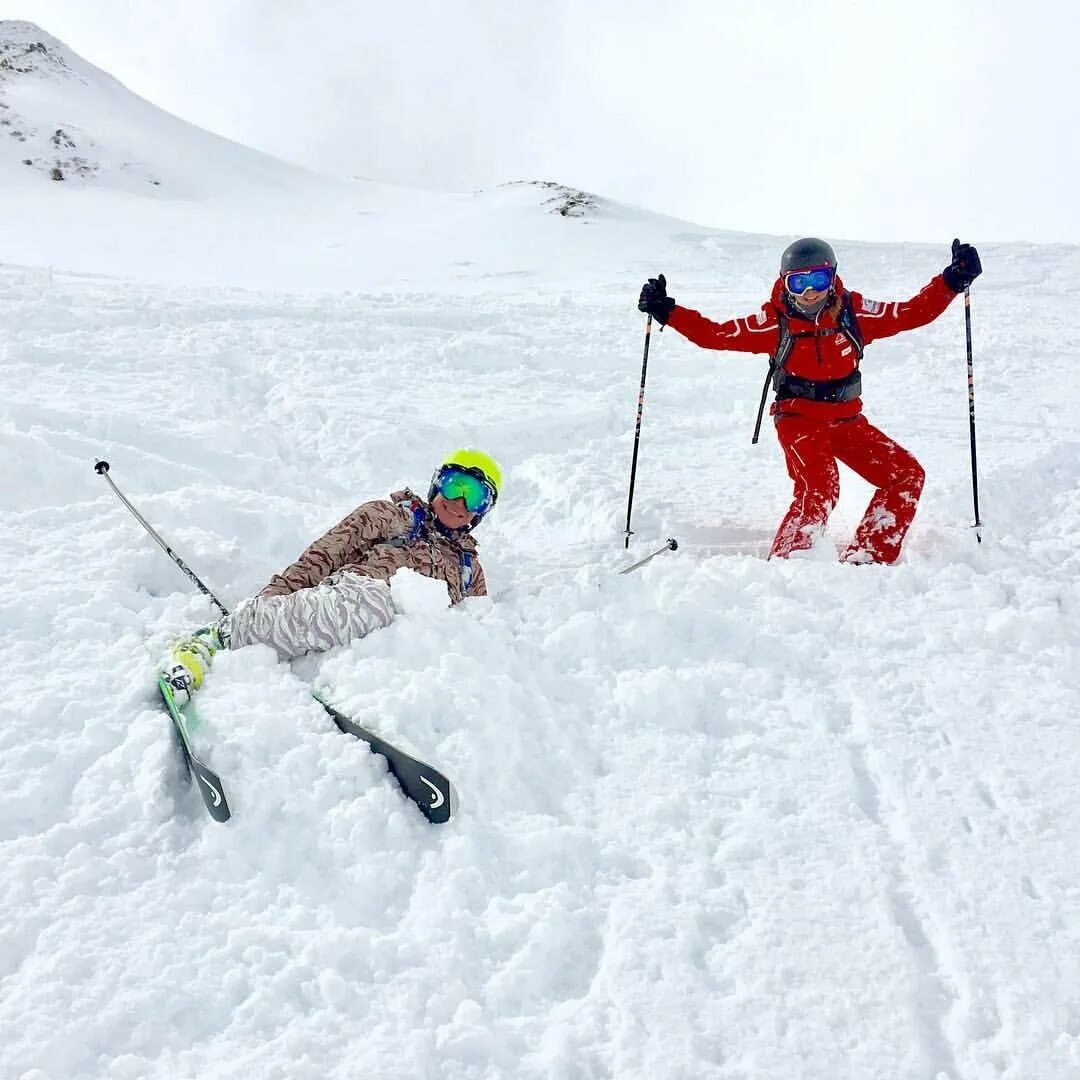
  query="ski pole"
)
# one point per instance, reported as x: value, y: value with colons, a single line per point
x: 671, y: 544
x: 102, y: 469
x: 971, y: 402
x: 637, y: 429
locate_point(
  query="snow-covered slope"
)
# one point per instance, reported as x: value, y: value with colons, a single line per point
x: 211, y: 212
x: 66, y: 121
x: 722, y: 818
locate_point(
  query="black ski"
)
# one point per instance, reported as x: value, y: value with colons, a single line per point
x: 426, y: 786
x: 432, y: 792
x: 213, y: 794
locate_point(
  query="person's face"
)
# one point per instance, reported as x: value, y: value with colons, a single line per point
x: 809, y: 299
x: 451, y: 512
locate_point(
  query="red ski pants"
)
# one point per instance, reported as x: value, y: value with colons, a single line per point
x: 812, y: 448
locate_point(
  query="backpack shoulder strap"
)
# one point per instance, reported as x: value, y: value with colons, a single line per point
x: 783, y: 343
x: 849, y: 325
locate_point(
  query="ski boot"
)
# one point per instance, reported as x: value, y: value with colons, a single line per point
x: 190, y: 658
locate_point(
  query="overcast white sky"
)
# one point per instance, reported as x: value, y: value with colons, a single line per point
x: 914, y: 120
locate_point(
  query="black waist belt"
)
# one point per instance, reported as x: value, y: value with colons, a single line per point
x: 845, y: 389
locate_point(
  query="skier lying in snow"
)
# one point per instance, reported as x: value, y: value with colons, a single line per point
x: 818, y: 411
x: 338, y: 589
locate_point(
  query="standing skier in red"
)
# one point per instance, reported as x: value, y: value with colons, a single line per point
x: 814, y: 331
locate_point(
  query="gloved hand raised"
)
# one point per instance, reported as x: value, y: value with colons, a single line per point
x: 964, y: 268
x: 654, y: 299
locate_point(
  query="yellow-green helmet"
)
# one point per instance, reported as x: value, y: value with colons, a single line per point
x: 469, y: 474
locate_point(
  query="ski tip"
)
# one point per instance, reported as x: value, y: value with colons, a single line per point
x: 435, y: 796
x: 213, y: 794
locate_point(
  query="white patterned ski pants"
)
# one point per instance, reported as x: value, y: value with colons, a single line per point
x: 343, y: 607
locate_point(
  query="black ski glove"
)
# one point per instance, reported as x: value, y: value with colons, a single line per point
x: 654, y: 299
x: 964, y: 268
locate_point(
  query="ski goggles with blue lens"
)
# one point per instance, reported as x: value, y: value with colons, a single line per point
x: 818, y: 278
x: 455, y: 482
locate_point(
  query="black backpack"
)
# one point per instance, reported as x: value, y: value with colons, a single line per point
x: 791, y: 386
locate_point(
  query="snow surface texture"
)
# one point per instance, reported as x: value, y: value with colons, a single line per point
x: 720, y: 818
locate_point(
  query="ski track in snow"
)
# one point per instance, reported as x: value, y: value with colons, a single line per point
x: 722, y: 818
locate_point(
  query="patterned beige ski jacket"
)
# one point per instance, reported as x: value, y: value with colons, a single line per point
x: 382, y: 536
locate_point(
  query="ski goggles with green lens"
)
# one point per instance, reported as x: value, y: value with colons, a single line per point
x: 818, y: 278
x: 455, y: 482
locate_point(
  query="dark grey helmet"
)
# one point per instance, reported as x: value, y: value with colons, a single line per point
x: 809, y: 251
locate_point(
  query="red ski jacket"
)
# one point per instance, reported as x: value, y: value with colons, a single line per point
x: 817, y: 358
